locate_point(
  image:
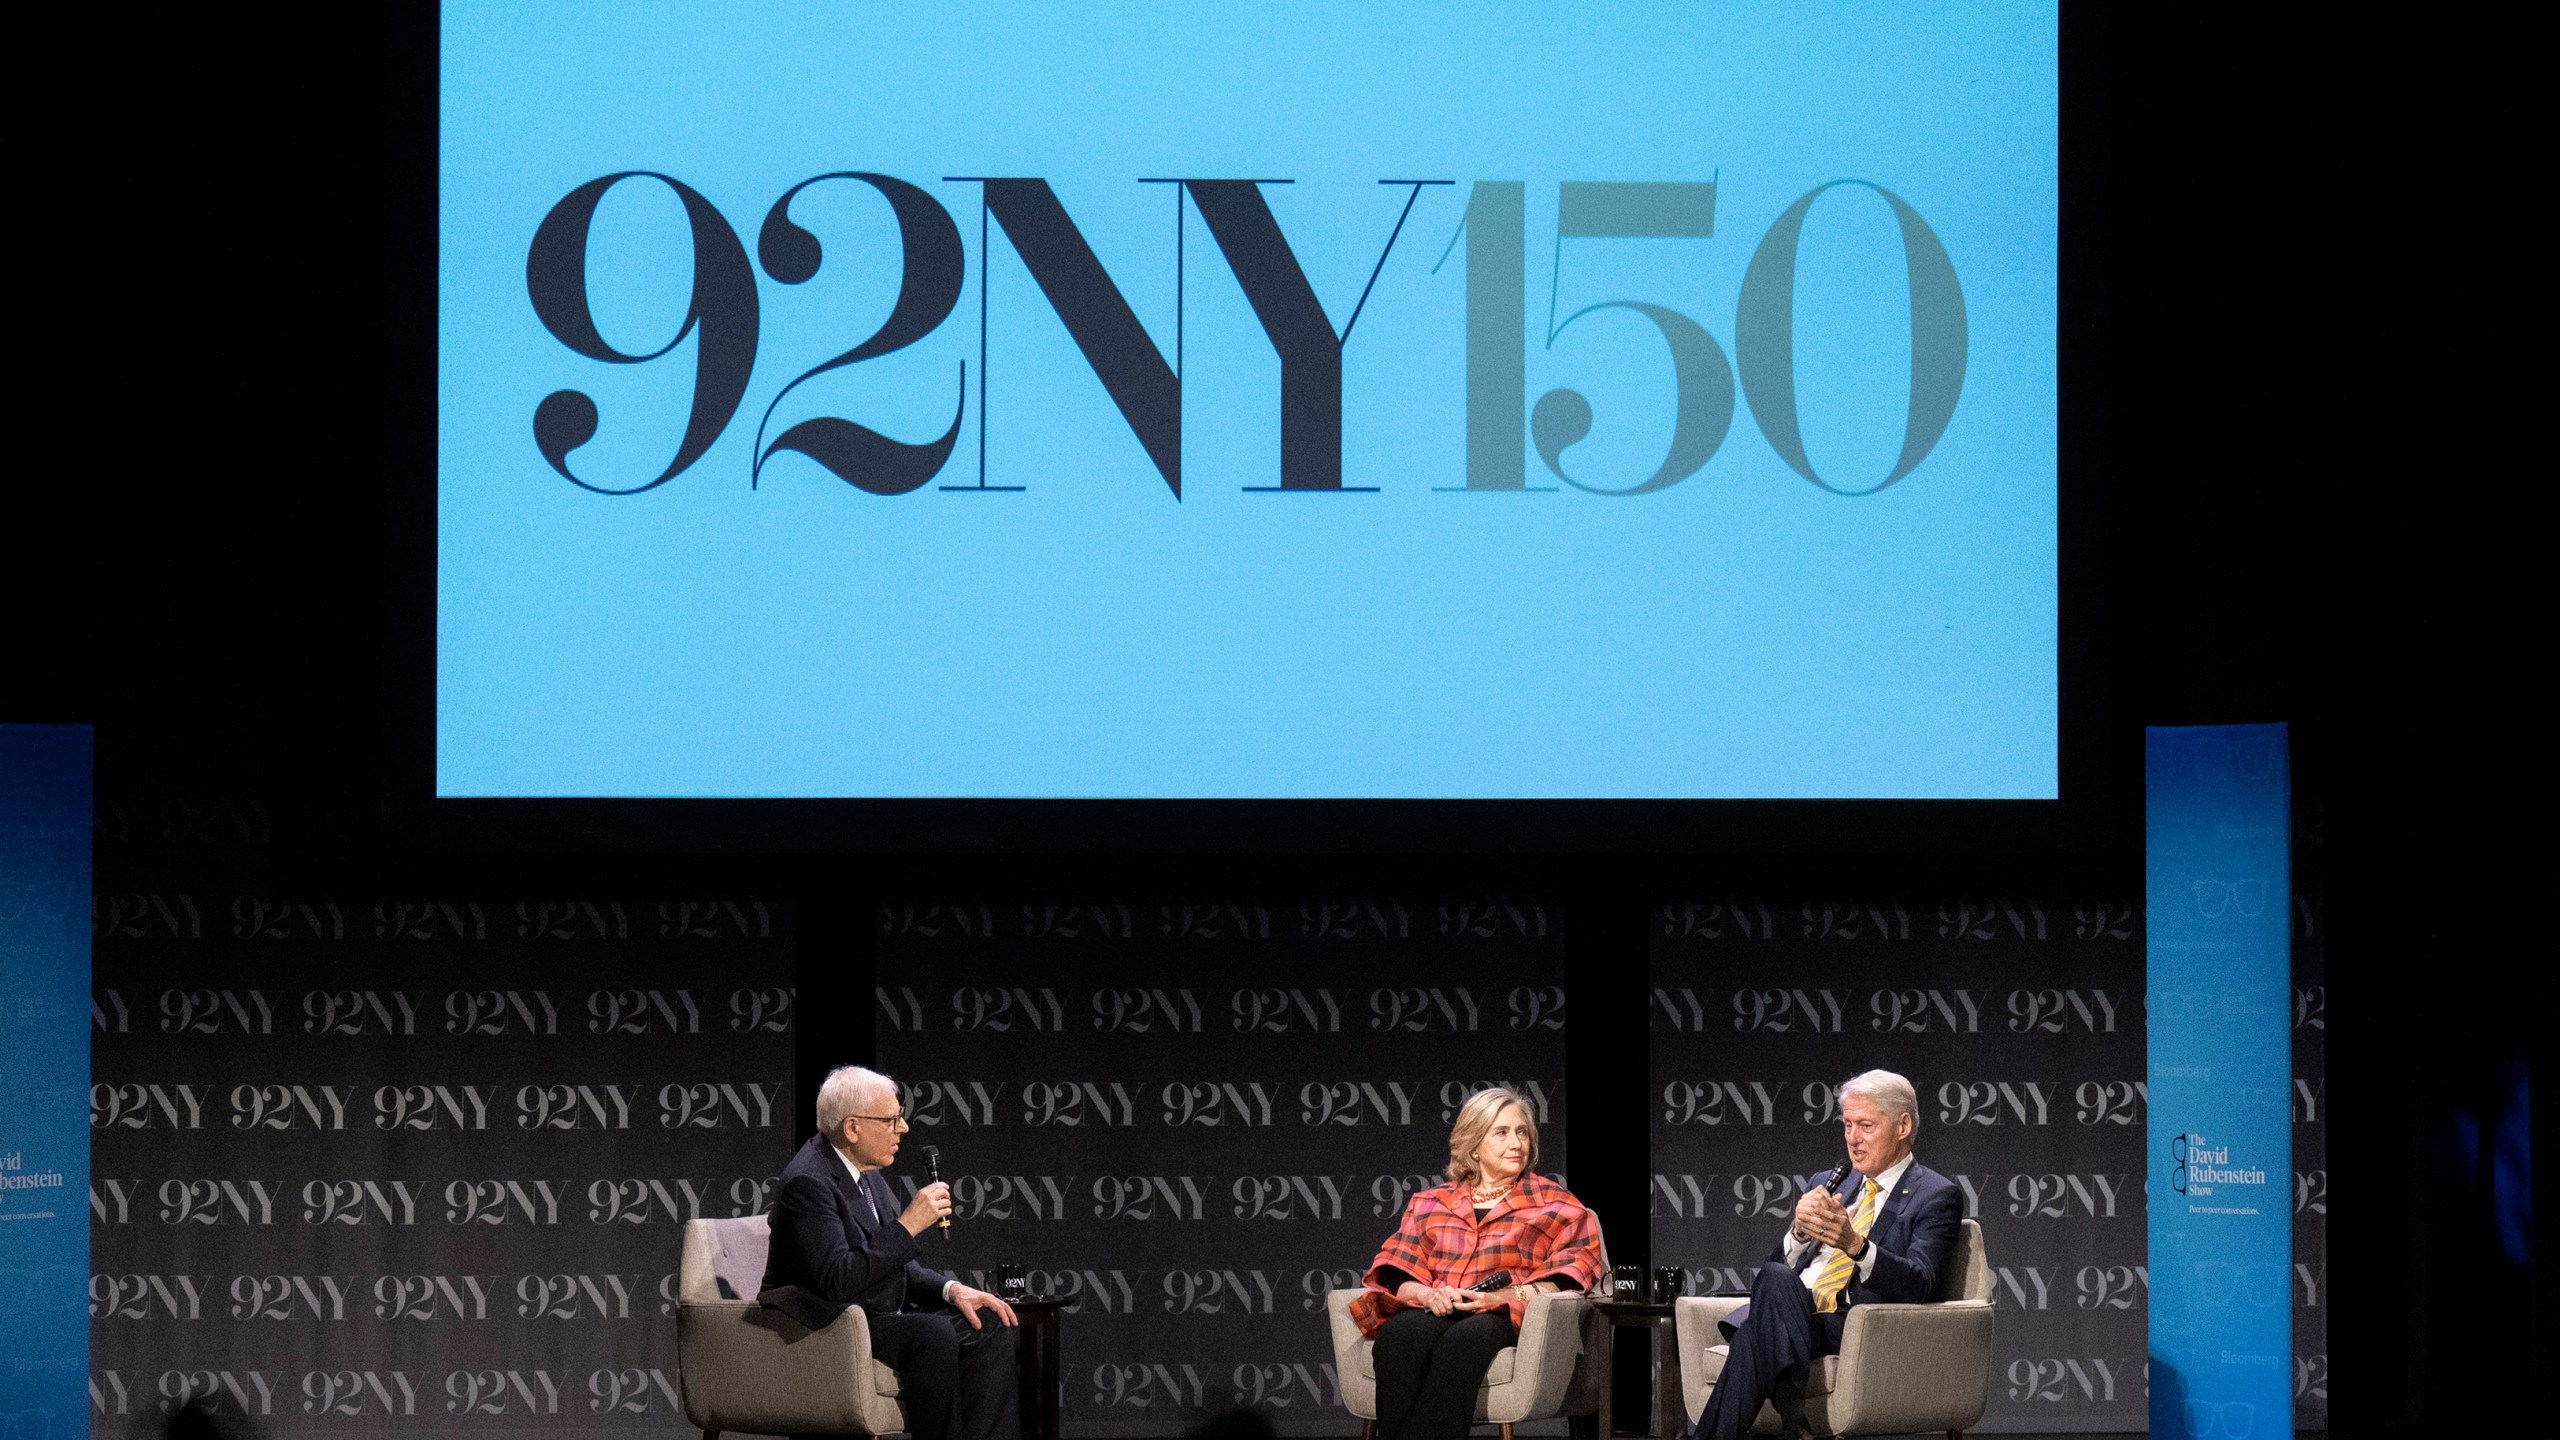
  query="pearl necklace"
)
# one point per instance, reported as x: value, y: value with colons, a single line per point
x: 1485, y: 1196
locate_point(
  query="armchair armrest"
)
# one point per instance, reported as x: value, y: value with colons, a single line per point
x: 1551, y: 1349
x: 1591, y: 1367
x: 1359, y: 1382
x: 1547, y: 1373
x: 1906, y: 1368
x: 745, y: 1367
x: 1694, y: 1319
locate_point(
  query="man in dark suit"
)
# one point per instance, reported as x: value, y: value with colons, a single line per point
x: 840, y: 1239
x: 1886, y: 1234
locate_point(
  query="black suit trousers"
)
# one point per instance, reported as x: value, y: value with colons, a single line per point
x: 954, y: 1383
x: 1430, y: 1367
x: 1780, y: 1333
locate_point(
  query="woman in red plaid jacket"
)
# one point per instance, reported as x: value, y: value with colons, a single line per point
x: 1448, y: 1290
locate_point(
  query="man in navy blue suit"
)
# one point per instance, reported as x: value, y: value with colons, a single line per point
x: 840, y: 1239
x: 1886, y: 1233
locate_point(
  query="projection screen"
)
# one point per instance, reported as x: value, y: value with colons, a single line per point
x: 1319, y: 401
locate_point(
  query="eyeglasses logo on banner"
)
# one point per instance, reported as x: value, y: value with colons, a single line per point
x: 2219, y: 1282
x: 2230, y: 1420
x: 49, y: 898
x: 723, y: 313
x: 53, y: 1287
x: 2215, y: 897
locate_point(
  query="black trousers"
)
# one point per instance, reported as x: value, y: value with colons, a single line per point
x: 1779, y: 1333
x: 954, y: 1383
x: 1429, y: 1368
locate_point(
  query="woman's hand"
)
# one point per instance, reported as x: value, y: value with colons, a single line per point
x: 1441, y: 1299
x: 1437, y: 1299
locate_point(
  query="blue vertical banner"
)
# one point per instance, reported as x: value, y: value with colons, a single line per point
x: 2218, y: 874
x: 44, y: 1080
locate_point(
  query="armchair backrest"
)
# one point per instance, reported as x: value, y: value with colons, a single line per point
x: 717, y: 1250
x: 1968, y: 1269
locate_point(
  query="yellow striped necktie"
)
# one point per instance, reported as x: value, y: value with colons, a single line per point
x: 1835, y: 1273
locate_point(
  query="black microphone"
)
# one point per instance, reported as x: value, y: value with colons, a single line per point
x: 933, y: 1172
x: 1831, y: 1181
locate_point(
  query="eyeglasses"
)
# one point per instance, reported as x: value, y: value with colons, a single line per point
x: 2219, y: 1282
x: 2232, y: 1418
x: 57, y: 1285
x: 49, y: 898
x: 895, y: 1120
x: 2215, y: 896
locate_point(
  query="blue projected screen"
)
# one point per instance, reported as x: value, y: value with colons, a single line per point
x: 1181, y: 401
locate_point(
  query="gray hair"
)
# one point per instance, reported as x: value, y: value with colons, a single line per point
x: 843, y: 1091
x: 1887, y: 1092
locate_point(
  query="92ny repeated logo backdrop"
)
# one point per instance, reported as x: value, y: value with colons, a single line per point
x: 419, y: 1162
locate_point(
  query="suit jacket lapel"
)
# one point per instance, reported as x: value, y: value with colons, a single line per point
x: 1889, y: 1206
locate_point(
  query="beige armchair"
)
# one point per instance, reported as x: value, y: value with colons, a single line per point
x: 1556, y: 1369
x: 1901, y: 1368
x: 745, y: 1368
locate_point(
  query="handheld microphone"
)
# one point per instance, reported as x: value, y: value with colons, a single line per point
x: 1831, y: 1181
x: 933, y: 1172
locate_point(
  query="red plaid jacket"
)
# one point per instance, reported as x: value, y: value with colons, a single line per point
x: 1537, y: 1232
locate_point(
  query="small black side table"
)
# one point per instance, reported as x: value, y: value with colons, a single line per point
x: 1039, y: 1358
x: 1622, y: 1315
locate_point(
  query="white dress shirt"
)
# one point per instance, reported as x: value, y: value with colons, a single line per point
x: 1865, y: 1265
x: 856, y: 1172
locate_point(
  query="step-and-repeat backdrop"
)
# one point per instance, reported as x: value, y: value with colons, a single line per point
x: 1193, y: 1118
x: 383, y: 1161
x: 2020, y: 1021
x: 417, y: 1162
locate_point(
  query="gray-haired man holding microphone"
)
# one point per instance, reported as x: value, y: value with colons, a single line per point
x: 1883, y: 1230
x: 841, y: 1239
